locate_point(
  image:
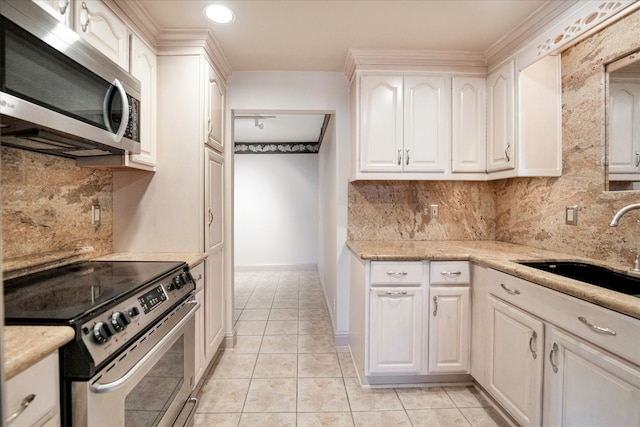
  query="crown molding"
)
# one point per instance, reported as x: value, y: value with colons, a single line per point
x: 407, y: 59
x: 193, y: 41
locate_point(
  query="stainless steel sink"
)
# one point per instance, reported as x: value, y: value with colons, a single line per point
x: 593, y: 274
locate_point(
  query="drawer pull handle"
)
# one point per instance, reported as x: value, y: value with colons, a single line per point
x: 23, y: 406
x: 435, y: 303
x: 596, y: 328
x: 397, y: 293
x: 397, y: 273
x: 509, y: 290
x: 450, y: 273
x: 554, y: 349
x: 534, y: 337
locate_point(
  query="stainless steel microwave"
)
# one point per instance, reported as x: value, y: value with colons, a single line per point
x: 58, y: 94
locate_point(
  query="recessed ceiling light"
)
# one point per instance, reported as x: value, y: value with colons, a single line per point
x: 219, y: 14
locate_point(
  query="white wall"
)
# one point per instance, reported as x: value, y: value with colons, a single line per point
x: 323, y: 92
x: 276, y: 210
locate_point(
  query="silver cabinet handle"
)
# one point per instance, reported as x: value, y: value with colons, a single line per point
x: 399, y: 156
x: 554, y: 349
x: 397, y: 273
x: 451, y: 273
x: 407, y: 161
x: 84, y: 17
x: 637, y: 158
x: 435, y: 303
x: 23, y: 406
x: 509, y: 290
x: 396, y: 293
x: 62, y: 6
x: 596, y: 328
x: 534, y: 337
x: 210, y: 216
x: 506, y: 151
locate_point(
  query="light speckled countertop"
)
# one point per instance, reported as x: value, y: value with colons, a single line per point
x: 501, y: 256
x: 24, y: 346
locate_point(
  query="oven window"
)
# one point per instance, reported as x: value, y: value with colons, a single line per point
x: 147, y: 403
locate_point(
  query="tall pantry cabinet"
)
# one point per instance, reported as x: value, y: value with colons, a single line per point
x: 180, y: 208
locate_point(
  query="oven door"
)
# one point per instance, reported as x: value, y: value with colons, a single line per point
x: 149, y: 384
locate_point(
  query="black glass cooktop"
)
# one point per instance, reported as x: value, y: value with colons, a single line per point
x: 77, y: 291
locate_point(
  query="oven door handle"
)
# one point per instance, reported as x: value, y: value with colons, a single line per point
x: 112, y: 386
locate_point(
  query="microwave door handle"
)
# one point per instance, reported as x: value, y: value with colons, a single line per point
x: 125, y: 110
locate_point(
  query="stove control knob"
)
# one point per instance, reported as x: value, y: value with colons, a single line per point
x: 134, y: 312
x: 119, y: 321
x: 101, y: 333
x: 185, y: 278
x: 177, y: 284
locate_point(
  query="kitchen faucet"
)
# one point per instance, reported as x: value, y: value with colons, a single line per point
x: 621, y: 212
x: 614, y: 223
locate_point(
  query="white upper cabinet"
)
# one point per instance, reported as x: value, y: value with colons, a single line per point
x: 59, y: 9
x: 404, y: 124
x: 214, y: 109
x: 624, y: 129
x: 427, y: 113
x: 381, y: 123
x: 98, y: 25
x: 468, y: 124
x: 501, y: 118
x: 144, y: 67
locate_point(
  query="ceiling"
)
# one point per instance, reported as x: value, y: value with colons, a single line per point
x: 315, y: 35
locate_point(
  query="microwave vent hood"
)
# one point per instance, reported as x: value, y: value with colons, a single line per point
x: 59, y: 95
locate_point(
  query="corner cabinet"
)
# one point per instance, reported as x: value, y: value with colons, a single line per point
x: 552, y: 359
x: 501, y: 118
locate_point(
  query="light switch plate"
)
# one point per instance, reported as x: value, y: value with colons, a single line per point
x: 571, y: 215
x: 433, y: 211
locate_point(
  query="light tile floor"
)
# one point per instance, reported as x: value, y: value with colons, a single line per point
x: 286, y: 371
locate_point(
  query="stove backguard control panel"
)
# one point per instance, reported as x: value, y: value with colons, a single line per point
x: 115, y: 328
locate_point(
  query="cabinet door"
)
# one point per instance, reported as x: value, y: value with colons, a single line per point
x: 201, y: 360
x: 624, y: 127
x: 449, y: 325
x: 215, y: 110
x: 214, y: 286
x: 59, y: 9
x: 468, y: 124
x: 396, y: 331
x: 144, y: 67
x: 427, y: 106
x: 501, y: 118
x: 98, y: 25
x: 516, y: 362
x: 585, y: 386
x: 381, y: 123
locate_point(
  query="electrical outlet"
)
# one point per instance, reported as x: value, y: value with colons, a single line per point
x: 95, y: 214
x: 571, y: 215
x: 433, y: 211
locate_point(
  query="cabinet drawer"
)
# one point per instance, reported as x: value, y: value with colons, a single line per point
x: 605, y: 328
x: 396, y: 273
x: 449, y: 273
x: 198, y: 275
x: 40, y: 381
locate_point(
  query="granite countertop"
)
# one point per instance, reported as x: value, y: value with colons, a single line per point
x: 24, y: 346
x: 502, y: 256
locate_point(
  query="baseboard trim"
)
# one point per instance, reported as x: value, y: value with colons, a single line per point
x: 342, y: 339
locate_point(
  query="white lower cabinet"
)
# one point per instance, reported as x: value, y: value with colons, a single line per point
x: 201, y: 362
x: 33, y: 396
x: 516, y: 362
x: 551, y: 359
x: 396, y: 331
x: 586, y: 387
x: 449, y: 327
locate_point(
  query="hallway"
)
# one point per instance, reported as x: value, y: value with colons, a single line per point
x: 286, y: 371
